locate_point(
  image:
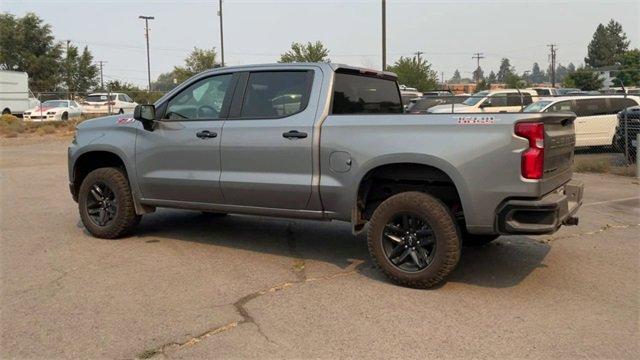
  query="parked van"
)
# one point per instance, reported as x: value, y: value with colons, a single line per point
x: 493, y: 101
x: 596, y: 120
x: 15, y: 96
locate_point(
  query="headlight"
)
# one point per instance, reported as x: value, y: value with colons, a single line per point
x: 51, y: 112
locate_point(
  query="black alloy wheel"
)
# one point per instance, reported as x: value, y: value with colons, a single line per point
x: 102, y: 204
x: 408, y: 242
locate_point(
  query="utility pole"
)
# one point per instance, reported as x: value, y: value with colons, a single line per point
x: 418, y: 53
x: 101, y: 77
x: 146, y: 34
x: 384, y: 35
x: 221, y: 35
x: 477, y: 56
x: 552, y: 56
x: 68, y: 66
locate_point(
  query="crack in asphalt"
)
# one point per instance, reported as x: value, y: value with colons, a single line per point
x: 298, y: 270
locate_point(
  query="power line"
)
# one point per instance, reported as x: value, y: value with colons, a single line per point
x: 384, y: 35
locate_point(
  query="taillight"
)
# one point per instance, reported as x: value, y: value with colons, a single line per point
x: 533, y: 158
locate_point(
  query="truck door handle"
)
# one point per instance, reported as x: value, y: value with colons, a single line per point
x: 206, y: 134
x: 294, y: 134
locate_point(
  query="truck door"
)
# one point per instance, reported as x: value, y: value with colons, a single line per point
x: 180, y: 159
x: 267, y: 143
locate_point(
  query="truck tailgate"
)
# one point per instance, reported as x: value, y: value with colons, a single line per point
x: 559, y: 142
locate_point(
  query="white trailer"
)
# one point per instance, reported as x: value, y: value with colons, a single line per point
x: 15, y: 96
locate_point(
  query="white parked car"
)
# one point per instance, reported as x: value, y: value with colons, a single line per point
x: 491, y: 101
x: 15, y: 96
x: 54, y: 110
x: 105, y: 103
x: 596, y: 119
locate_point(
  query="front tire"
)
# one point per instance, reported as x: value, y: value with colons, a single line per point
x: 64, y: 117
x: 413, y: 240
x: 106, y: 204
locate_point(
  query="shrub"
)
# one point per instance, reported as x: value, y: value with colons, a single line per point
x: 10, y: 123
x: 46, y: 129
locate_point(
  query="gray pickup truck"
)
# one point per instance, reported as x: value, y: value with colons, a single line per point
x: 330, y: 142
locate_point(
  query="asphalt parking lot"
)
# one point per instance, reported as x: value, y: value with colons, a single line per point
x: 186, y: 286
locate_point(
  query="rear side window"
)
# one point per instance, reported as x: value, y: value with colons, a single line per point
x: 357, y: 94
x: 516, y: 99
x: 591, y: 107
x: 562, y: 106
x: 619, y: 104
x: 271, y: 94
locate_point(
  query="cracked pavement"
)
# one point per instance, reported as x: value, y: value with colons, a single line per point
x: 188, y: 286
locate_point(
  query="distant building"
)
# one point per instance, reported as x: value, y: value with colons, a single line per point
x: 607, y: 74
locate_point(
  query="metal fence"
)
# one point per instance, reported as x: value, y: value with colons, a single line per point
x: 606, y: 133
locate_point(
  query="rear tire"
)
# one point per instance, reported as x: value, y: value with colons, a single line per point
x: 121, y: 112
x: 431, y: 240
x: 106, y: 204
x: 6, y: 111
x: 64, y: 117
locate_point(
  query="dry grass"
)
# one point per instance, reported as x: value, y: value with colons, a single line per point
x: 603, y: 166
x: 11, y: 127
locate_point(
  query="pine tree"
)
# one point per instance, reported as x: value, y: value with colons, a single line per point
x: 607, y: 45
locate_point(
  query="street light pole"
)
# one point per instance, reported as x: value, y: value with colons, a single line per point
x: 146, y: 28
x: 221, y: 35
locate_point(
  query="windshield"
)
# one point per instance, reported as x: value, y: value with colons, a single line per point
x: 537, y: 106
x: 475, y: 98
x: 55, y: 103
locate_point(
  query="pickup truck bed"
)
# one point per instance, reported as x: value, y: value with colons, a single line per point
x: 330, y: 142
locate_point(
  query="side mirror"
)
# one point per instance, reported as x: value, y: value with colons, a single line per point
x: 146, y: 114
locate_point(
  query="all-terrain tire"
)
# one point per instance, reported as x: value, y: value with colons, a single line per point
x: 125, y: 218
x: 445, y: 231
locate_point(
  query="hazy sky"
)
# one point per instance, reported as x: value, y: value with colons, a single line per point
x: 258, y: 31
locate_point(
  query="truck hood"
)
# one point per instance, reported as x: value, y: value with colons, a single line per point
x: 457, y: 108
x: 107, y: 122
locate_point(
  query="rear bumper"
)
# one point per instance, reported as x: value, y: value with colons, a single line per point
x: 541, y: 216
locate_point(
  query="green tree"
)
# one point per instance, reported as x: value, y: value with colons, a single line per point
x: 455, y: 79
x: 198, y: 61
x: 583, y: 78
x: 504, y: 71
x: 492, y: 78
x: 165, y: 82
x: 478, y: 74
x: 309, y: 52
x: 141, y: 96
x: 415, y: 73
x: 513, y: 81
x: 26, y: 44
x: 607, y: 45
x: 629, y: 72
x: 86, y: 71
x: 537, y: 76
x: 483, y: 85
